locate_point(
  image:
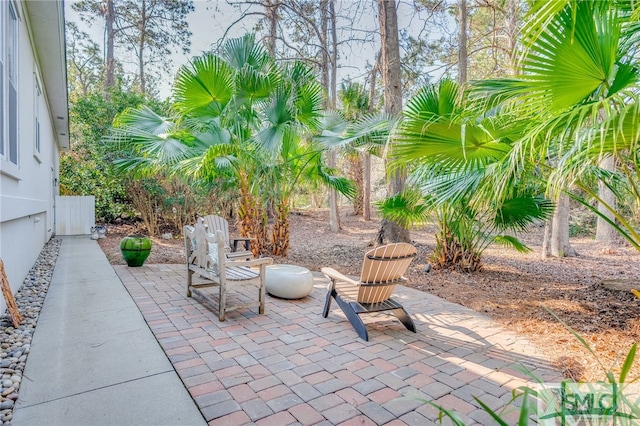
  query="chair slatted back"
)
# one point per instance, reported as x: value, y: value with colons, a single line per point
x: 384, y: 265
x: 203, y: 241
x: 218, y: 223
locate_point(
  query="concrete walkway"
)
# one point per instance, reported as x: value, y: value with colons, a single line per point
x: 93, y: 359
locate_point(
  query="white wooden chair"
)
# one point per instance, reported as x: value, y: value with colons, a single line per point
x: 382, y: 270
x: 218, y: 223
x: 206, y: 256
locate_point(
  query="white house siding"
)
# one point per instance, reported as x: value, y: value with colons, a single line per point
x: 27, y: 192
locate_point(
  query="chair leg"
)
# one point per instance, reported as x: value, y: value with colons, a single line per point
x: 327, y: 303
x: 222, y: 302
x: 261, y: 296
x: 405, y: 319
x: 189, y: 281
x: 353, y: 318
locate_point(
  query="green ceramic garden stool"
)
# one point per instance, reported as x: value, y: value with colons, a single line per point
x: 135, y: 249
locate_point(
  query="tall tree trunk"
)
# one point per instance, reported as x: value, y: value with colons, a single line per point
x: 110, y: 60
x: 560, y: 244
x: 392, y: 83
x: 366, y: 187
x: 606, y: 233
x: 462, y: 42
x: 271, y: 10
x: 333, y: 93
x: 324, y: 46
x: 356, y: 174
x: 390, y: 56
x: 546, y: 241
x: 366, y: 197
x: 141, y: 47
x: 334, y: 214
x: 512, y: 30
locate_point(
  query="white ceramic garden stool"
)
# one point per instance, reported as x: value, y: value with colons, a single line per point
x: 288, y: 281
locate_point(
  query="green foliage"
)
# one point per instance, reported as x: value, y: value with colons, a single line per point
x: 576, y: 92
x: 83, y: 176
x: 240, y: 118
x: 453, y: 147
x: 88, y: 168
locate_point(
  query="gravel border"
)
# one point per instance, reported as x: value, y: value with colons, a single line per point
x: 15, y: 343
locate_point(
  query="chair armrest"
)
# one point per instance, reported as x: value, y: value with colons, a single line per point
x: 253, y: 262
x: 337, y: 276
x: 240, y: 255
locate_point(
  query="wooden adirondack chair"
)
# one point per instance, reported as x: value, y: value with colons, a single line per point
x: 382, y: 270
x: 218, y: 223
x: 206, y: 256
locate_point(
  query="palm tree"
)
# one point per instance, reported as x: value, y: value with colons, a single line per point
x: 577, y: 89
x: 244, y: 118
x: 452, y: 148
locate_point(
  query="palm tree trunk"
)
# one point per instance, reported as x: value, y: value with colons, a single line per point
x: 280, y: 233
x: 251, y: 218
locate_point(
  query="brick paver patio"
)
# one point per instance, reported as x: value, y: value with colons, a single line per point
x: 291, y: 366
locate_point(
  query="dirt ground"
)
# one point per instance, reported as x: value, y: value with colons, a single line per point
x: 514, y: 289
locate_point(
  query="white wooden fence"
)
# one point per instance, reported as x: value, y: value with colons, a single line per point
x: 75, y: 215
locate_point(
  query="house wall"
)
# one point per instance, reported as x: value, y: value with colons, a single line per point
x: 28, y: 190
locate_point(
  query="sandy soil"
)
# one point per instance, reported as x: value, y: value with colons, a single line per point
x: 514, y: 289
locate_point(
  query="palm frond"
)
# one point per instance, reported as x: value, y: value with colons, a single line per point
x: 438, y: 101
x: 204, y: 86
x: 145, y: 134
x: 271, y: 138
x: 444, y: 185
x: 144, y: 119
x: 343, y: 185
x: 245, y: 52
x: 408, y: 208
x: 252, y: 84
x: 308, y: 104
x: 520, y: 212
x: 369, y: 130
x: 511, y: 242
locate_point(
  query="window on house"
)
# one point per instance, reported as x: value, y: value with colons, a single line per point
x: 12, y: 83
x: 36, y: 113
x: 3, y: 52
